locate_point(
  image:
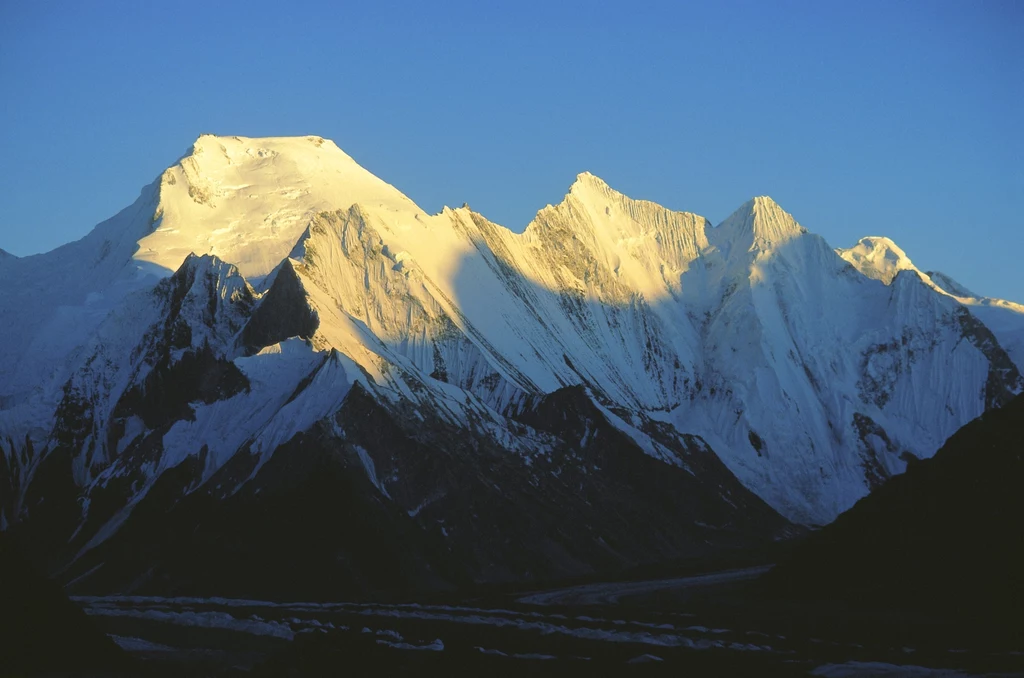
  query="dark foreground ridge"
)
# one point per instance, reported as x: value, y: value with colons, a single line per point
x: 921, y: 578
x: 944, y: 538
x: 41, y: 631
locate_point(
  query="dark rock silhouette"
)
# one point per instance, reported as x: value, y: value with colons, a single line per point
x: 41, y: 630
x: 946, y: 537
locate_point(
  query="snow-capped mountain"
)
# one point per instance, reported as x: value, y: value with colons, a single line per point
x: 270, y: 325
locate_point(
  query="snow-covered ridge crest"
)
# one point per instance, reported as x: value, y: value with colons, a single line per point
x: 951, y: 286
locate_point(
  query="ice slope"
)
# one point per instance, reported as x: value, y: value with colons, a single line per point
x: 810, y: 377
x: 824, y: 378
x: 50, y: 303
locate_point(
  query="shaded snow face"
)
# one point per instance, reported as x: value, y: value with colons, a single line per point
x: 804, y: 373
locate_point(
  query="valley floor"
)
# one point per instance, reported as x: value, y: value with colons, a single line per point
x: 700, y: 624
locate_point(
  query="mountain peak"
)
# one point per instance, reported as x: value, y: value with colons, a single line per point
x: 589, y: 186
x: 762, y: 220
x: 588, y: 178
x: 248, y: 200
x: 878, y: 257
x: 635, y: 240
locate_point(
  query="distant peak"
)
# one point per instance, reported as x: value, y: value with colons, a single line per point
x: 878, y: 257
x: 762, y: 220
x: 594, y: 212
x: 765, y: 207
x: 588, y: 177
x: 763, y: 202
x: 589, y: 189
x: 589, y: 183
x: 881, y: 243
x: 604, y: 201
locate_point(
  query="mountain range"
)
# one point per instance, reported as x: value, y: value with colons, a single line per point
x: 275, y: 357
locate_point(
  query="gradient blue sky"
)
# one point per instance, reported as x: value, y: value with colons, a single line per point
x: 894, y: 118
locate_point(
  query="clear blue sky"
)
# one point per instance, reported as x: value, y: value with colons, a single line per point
x: 903, y: 119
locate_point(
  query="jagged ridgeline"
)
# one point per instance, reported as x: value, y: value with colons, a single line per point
x: 273, y: 356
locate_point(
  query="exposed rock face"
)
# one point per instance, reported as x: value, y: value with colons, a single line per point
x: 282, y: 314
